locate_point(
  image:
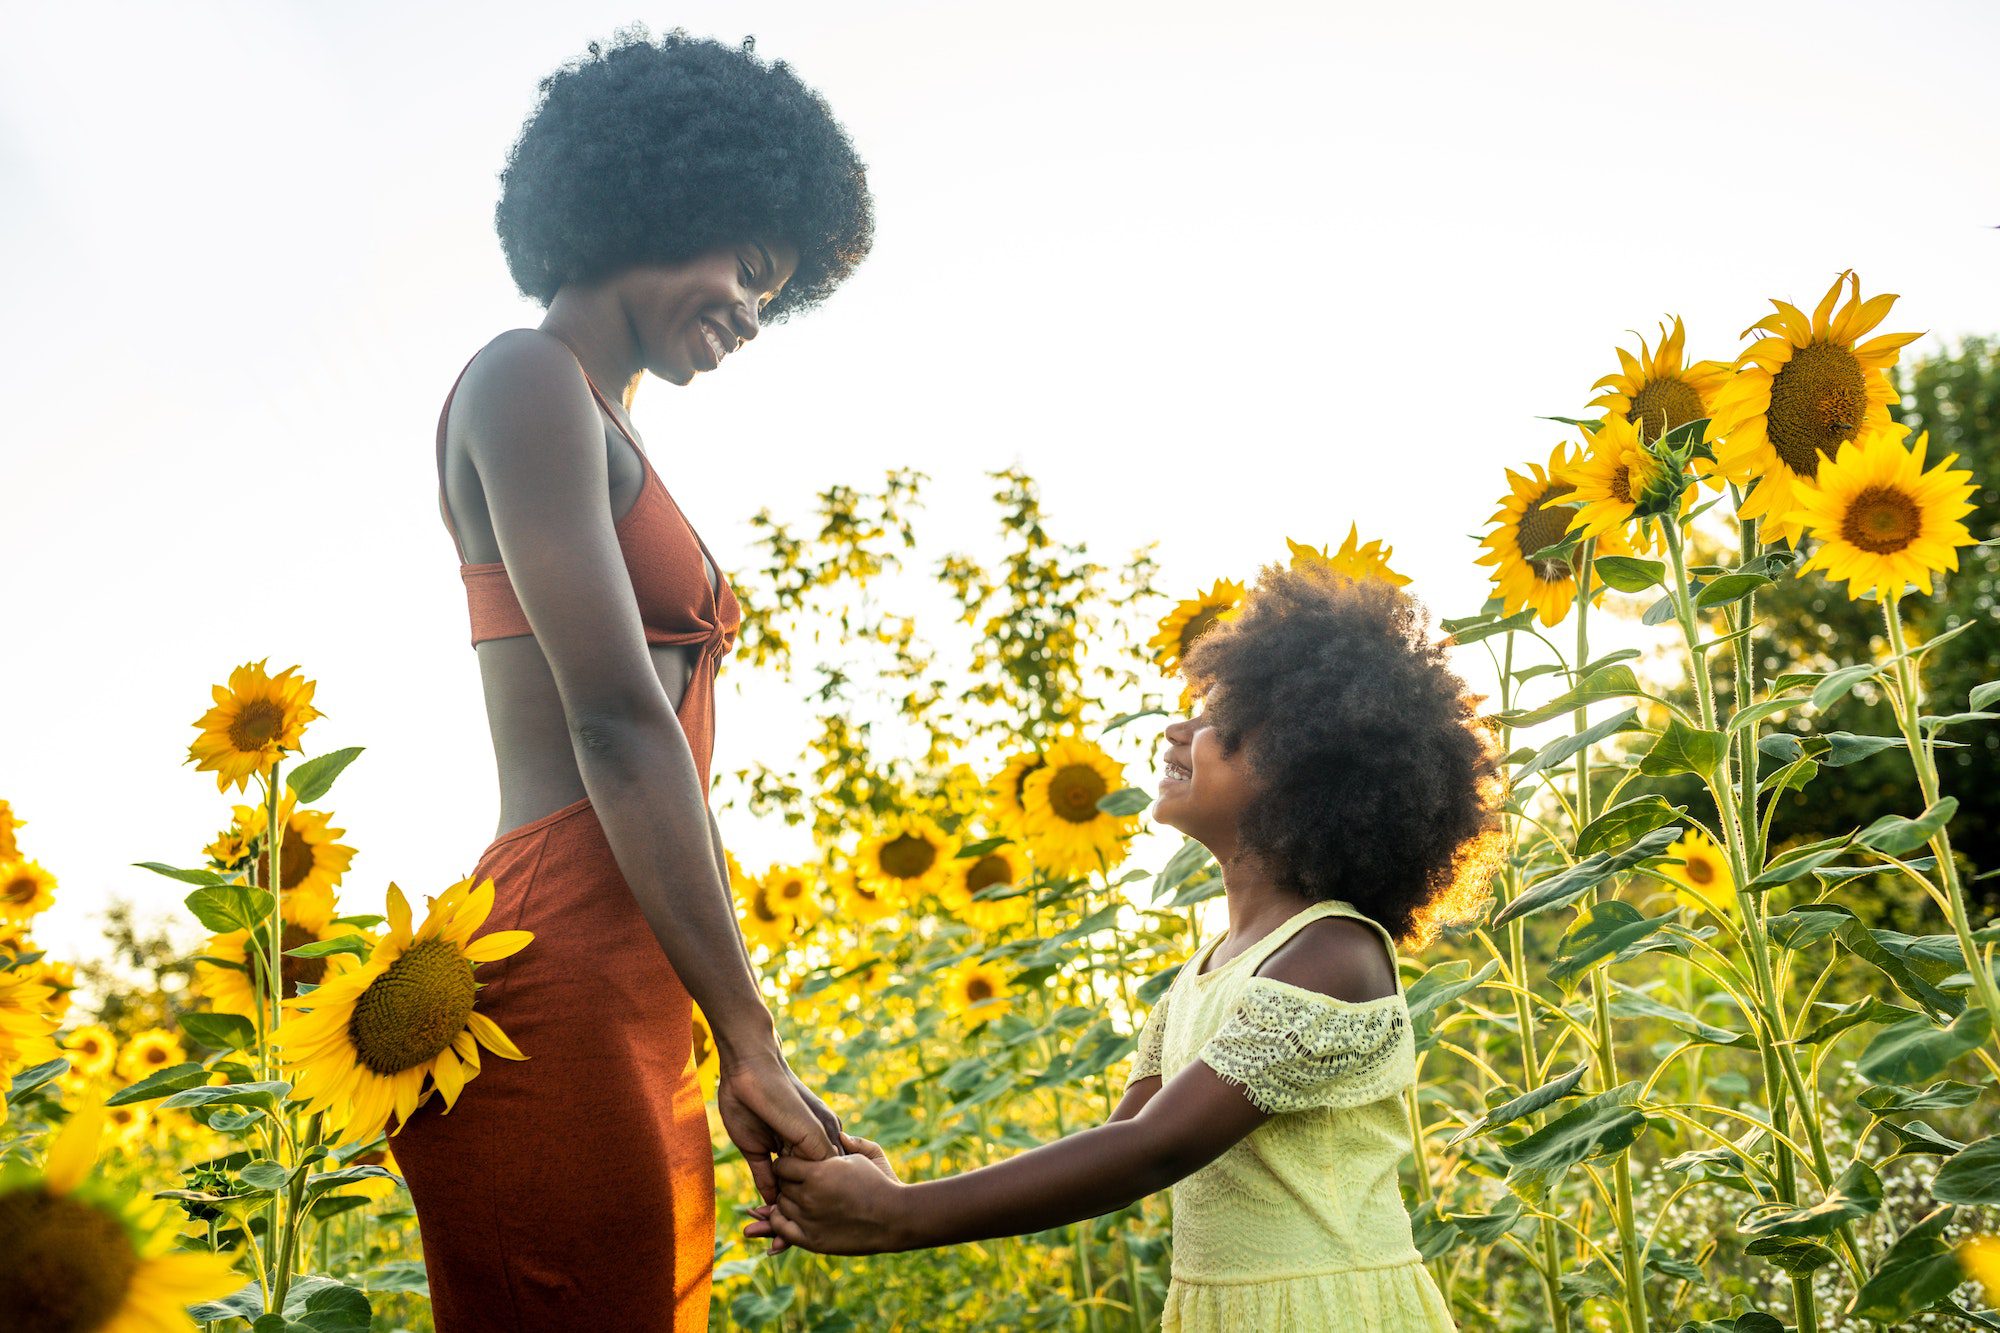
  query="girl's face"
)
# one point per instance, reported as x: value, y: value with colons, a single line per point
x: 691, y: 316
x: 1203, y: 792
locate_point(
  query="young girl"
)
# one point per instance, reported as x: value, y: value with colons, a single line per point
x: 1340, y: 779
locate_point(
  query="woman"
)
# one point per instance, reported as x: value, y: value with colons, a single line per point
x: 663, y: 202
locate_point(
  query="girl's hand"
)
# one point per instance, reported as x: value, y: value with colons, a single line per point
x: 871, y: 1150
x: 843, y: 1205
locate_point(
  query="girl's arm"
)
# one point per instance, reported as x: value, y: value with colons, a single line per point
x: 1160, y: 1133
x: 848, y: 1206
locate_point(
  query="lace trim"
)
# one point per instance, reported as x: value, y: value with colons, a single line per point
x: 1152, y: 1041
x: 1291, y: 1049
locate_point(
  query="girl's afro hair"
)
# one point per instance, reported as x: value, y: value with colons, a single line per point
x: 1379, y: 785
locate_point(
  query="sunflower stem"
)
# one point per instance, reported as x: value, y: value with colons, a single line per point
x: 1531, y: 1065
x: 1909, y: 705
x: 1630, y: 1259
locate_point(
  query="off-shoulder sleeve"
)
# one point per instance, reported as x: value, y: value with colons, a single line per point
x: 1291, y: 1049
x: 1152, y: 1037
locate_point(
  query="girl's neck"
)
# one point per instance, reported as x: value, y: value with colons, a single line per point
x: 1257, y: 905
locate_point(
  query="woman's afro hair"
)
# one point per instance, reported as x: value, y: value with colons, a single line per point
x: 1378, y: 784
x: 654, y: 152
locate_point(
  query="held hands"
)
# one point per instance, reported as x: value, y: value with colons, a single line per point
x: 770, y: 1116
x: 840, y: 1205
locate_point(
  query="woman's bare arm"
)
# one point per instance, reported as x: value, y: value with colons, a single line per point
x: 532, y: 430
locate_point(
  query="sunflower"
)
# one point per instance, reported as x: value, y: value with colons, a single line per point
x: 1881, y: 520
x: 905, y: 858
x: 1009, y: 812
x: 25, y: 1023
x: 9, y: 848
x: 977, y: 992
x: 1531, y: 519
x: 362, y: 1045
x: 1705, y: 881
x: 707, y: 1060
x: 129, y: 1125
x: 148, y: 1053
x: 1190, y: 619
x: 1353, y: 561
x: 60, y: 978
x: 1066, y: 831
x: 26, y: 890
x: 80, y: 1256
x: 795, y: 891
x: 1617, y: 482
x: 1656, y: 391
x: 92, y: 1050
x: 764, y: 922
x: 309, y: 860
x: 307, y: 918
x: 859, y: 899
x: 14, y: 938
x: 1979, y: 1258
x: 1004, y: 865
x: 1799, y: 394
x: 256, y: 719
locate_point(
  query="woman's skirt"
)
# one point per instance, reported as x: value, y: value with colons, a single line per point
x: 574, y: 1189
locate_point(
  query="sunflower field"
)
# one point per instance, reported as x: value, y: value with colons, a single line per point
x: 1703, y: 1063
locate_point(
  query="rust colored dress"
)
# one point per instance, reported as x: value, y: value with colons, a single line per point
x: 576, y: 1189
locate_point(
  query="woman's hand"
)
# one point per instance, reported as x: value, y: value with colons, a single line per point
x: 841, y: 1205
x: 768, y: 1112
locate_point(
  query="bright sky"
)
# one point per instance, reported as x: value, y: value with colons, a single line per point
x: 1214, y: 276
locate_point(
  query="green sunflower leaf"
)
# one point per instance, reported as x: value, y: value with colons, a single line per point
x: 1895, y: 836
x: 160, y: 1083
x: 1917, y: 1049
x: 1626, y: 821
x: 220, y: 1032
x: 1855, y: 1195
x: 1526, y: 1104
x: 202, y: 877
x: 1611, y: 682
x: 1971, y: 1177
x: 1599, y: 931
x: 314, y: 778
x: 1125, y: 801
x: 231, y: 907
x: 1919, y: 1270
x: 1559, y: 750
x: 1567, y: 885
x: 1683, y: 749
x: 1629, y: 573
x: 1731, y: 588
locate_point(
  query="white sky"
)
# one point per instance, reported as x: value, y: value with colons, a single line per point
x: 1213, y: 275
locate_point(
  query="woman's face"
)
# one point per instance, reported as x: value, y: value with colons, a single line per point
x: 691, y: 316
x: 1203, y: 792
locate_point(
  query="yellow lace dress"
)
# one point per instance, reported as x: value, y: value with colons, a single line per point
x: 1300, y: 1227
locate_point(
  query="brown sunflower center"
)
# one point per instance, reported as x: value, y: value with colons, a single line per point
x: 1621, y: 485
x: 1075, y: 791
x: 907, y: 856
x: 256, y: 724
x: 414, y: 1010
x: 978, y: 990
x: 154, y: 1054
x: 68, y: 1263
x: 760, y: 906
x: 988, y: 871
x: 1540, y: 527
x: 1663, y: 404
x: 1818, y: 400
x: 792, y: 889
x: 298, y: 971
x: 1198, y: 624
x: 1881, y: 520
x: 1700, y: 870
x: 21, y: 889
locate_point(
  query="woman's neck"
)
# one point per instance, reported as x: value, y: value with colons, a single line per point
x: 594, y: 325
